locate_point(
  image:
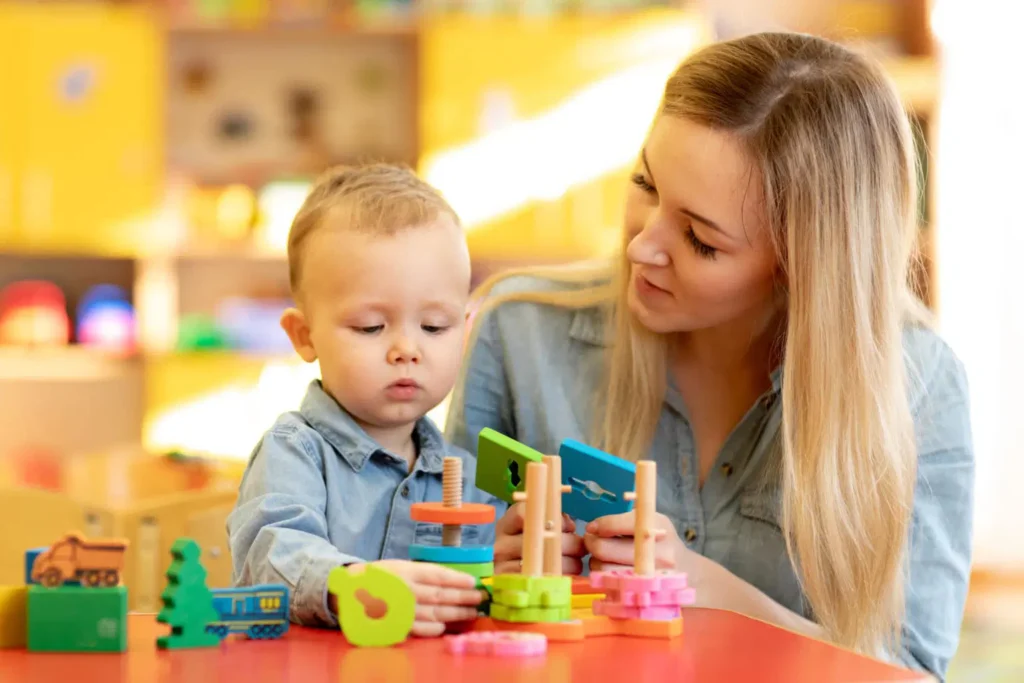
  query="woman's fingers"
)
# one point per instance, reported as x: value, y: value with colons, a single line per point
x: 609, y: 550
x: 599, y: 566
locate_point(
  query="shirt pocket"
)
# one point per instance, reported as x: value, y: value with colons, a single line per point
x: 761, y: 505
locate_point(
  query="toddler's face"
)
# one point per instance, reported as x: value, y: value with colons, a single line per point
x: 386, y: 316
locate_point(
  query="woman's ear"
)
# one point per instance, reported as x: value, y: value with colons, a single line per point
x: 294, y: 324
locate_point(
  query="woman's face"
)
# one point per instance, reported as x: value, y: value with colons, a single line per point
x: 699, y: 251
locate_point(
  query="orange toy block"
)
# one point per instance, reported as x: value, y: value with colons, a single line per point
x: 438, y: 513
x: 596, y: 626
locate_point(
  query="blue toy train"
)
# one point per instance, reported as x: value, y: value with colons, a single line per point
x: 257, y: 611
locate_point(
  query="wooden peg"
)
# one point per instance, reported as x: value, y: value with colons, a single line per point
x: 451, y: 488
x: 644, y: 533
x: 533, y: 518
x: 553, y: 516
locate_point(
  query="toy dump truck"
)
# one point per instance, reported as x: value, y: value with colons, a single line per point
x: 96, y: 562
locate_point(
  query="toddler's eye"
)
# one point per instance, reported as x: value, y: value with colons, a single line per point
x: 374, y: 329
x: 434, y: 329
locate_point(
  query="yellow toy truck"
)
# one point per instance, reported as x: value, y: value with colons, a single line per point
x: 96, y: 562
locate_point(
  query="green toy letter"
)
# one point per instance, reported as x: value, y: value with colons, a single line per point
x: 359, y: 628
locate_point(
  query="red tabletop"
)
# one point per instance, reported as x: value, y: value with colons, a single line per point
x: 715, y: 646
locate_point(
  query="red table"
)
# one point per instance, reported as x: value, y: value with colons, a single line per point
x: 715, y: 646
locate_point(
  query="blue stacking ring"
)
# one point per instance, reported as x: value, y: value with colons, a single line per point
x: 468, y: 554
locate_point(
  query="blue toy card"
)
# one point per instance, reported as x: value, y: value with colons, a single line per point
x: 598, y: 481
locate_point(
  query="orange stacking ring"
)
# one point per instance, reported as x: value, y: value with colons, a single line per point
x: 467, y: 513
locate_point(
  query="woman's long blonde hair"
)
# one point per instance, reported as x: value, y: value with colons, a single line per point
x: 834, y: 146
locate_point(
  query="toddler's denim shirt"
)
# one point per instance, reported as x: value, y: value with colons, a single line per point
x: 319, y: 492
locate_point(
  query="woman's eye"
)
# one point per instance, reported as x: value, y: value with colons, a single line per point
x: 703, y: 250
x: 641, y: 182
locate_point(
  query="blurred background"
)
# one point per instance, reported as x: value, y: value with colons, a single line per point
x: 153, y: 153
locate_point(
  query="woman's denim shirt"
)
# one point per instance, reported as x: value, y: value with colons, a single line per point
x: 534, y: 369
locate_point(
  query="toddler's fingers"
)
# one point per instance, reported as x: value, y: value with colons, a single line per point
x: 436, y: 575
x: 427, y: 629
x: 439, y: 595
x: 444, y: 613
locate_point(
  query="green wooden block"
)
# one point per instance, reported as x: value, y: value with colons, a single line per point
x: 531, y: 615
x: 77, y: 619
x: 359, y: 628
x: 501, y: 464
x: 516, y: 590
x: 479, y: 570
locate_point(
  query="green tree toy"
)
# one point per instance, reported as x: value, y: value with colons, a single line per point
x: 188, y: 603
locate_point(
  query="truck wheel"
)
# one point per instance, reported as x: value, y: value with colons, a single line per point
x: 111, y: 577
x: 91, y: 579
x: 51, y: 578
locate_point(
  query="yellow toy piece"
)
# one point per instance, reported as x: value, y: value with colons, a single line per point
x: 13, y: 616
x: 359, y: 628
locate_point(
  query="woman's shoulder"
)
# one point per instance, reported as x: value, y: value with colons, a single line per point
x: 933, y: 368
x: 546, y: 310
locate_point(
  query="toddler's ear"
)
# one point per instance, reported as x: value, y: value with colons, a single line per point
x: 293, y: 322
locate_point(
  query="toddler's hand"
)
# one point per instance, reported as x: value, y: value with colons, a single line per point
x: 508, y: 543
x: 442, y: 594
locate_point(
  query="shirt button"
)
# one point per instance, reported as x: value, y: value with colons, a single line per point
x: 405, y: 491
x: 727, y: 469
x: 690, y: 535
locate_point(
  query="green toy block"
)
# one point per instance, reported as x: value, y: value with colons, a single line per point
x: 188, y: 603
x: 77, y: 619
x: 516, y: 590
x: 478, y: 570
x: 501, y: 464
x: 359, y: 628
x: 530, y: 615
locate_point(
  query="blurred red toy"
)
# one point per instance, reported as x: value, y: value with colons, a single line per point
x: 33, y: 313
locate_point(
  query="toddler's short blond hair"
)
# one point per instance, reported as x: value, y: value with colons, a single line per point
x: 377, y: 198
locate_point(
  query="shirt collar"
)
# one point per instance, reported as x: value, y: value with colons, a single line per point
x: 588, y: 325
x: 352, y: 442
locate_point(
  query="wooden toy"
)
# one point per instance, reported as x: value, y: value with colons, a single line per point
x: 359, y: 628
x: 599, y: 481
x: 258, y: 612
x: 501, y: 464
x: 93, y: 562
x: 452, y: 514
x: 553, y: 516
x: 13, y: 616
x: 188, y: 603
x: 77, y: 619
x: 498, y: 643
x: 643, y: 593
x: 535, y: 595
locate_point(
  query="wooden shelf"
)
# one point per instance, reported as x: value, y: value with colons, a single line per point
x: 69, y: 363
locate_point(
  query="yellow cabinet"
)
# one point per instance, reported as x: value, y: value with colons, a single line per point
x: 10, y: 124
x: 87, y: 116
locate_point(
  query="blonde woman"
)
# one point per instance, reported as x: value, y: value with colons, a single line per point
x: 758, y: 339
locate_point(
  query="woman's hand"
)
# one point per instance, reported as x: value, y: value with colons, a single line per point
x: 508, y: 543
x: 609, y: 540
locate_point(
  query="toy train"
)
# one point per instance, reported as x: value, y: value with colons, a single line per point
x: 257, y: 611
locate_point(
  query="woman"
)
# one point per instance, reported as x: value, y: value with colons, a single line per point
x: 759, y: 341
